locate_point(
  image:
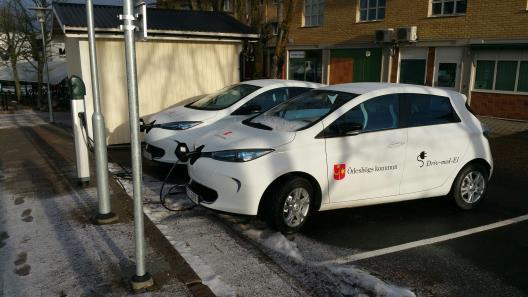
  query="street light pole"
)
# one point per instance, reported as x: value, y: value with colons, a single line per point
x: 104, y: 214
x: 41, y: 16
x: 142, y: 279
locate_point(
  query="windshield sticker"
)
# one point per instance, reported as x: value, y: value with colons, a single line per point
x: 422, y: 162
x: 340, y: 170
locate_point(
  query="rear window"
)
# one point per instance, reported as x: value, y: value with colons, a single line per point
x: 424, y: 110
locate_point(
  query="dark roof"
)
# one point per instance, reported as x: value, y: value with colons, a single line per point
x: 73, y: 16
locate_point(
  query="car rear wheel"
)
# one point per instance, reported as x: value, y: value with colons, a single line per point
x: 470, y: 186
x: 288, y: 206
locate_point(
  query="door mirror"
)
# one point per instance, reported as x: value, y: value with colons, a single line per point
x: 248, y: 109
x: 350, y: 128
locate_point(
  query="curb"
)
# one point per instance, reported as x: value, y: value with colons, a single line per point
x: 122, y: 206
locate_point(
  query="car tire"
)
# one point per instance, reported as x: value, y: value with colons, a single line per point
x: 470, y: 186
x: 286, y: 209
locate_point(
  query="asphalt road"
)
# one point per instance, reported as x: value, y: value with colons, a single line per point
x: 489, y: 263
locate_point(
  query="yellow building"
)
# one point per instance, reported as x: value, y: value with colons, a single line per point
x: 477, y: 47
x: 187, y: 53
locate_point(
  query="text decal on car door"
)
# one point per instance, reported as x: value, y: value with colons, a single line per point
x: 339, y: 171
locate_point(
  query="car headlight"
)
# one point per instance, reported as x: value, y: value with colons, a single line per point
x: 240, y: 155
x: 184, y: 125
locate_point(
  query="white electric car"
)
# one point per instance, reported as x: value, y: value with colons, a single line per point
x: 343, y: 146
x: 237, y: 102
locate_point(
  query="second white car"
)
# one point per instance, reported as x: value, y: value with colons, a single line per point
x: 184, y: 123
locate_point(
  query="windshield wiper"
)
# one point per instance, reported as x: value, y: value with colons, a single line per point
x: 258, y: 125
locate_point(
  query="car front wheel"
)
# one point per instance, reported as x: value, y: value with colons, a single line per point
x: 470, y: 186
x: 288, y: 206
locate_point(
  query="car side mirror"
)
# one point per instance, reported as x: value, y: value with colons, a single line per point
x: 248, y: 109
x: 253, y: 108
x: 351, y: 129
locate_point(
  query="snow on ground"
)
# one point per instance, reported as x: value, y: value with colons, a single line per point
x: 300, y: 258
x: 11, y: 121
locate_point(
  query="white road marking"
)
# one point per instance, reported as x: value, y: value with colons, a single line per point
x: 428, y: 241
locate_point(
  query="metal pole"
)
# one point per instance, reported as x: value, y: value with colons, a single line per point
x: 45, y: 56
x: 104, y: 215
x: 142, y: 279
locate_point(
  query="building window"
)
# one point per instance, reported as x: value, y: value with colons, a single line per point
x: 275, y: 1
x: 412, y: 71
x: 313, y: 13
x: 305, y: 65
x: 228, y: 5
x: 274, y: 28
x: 371, y: 10
x: 448, y: 7
x: 484, y: 75
x: 504, y: 75
x: 522, y: 84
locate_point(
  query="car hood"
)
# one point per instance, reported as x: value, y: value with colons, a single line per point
x: 239, y: 136
x: 182, y: 113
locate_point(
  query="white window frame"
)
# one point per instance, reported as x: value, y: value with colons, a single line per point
x: 309, y: 14
x: 493, y: 90
x: 377, y: 7
x: 441, y: 14
x: 228, y: 5
x: 274, y: 28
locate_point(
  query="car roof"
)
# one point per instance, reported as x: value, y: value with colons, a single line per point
x: 363, y: 88
x: 281, y: 82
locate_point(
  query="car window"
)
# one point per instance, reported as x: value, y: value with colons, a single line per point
x: 224, y: 98
x: 263, y: 102
x: 296, y: 91
x: 380, y: 113
x: 425, y: 109
x: 301, y: 111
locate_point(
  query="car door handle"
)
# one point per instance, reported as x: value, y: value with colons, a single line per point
x: 396, y: 144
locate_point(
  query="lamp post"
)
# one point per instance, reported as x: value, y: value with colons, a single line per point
x: 104, y: 214
x: 142, y: 279
x: 41, y: 16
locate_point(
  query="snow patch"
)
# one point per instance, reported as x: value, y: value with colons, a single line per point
x: 353, y: 280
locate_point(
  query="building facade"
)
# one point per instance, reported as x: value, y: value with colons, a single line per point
x: 476, y: 47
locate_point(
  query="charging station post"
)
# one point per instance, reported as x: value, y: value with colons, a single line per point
x: 77, y: 93
x: 104, y: 214
x: 142, y: 279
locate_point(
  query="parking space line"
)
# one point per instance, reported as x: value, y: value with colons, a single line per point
x: 428, y: 241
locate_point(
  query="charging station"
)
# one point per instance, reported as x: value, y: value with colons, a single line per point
x: 80, y: 134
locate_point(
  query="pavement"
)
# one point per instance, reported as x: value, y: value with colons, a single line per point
x: 427, y: 246
x: 424, y: 247
x: 48, y: 245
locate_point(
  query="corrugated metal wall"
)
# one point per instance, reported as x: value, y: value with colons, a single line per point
x: 168, y: 72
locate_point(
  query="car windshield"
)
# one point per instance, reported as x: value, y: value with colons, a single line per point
x: 224, y: 98
x: 301, y: 112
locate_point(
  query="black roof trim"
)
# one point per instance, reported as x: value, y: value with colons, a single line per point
x: 72, y: 16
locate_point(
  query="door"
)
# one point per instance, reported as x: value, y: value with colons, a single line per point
x: 341, y: 70
x: 365, y: 151
x: 436, y: 141
x: 448, y: 68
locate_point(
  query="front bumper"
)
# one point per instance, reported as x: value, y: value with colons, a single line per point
x: 160, y: 146
x: 238, y: 186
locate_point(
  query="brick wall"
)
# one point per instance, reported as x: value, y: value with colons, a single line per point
x: 486, y: 19
x: 507, y: 106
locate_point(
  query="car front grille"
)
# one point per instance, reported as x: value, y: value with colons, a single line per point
x: 207, y: 195
x: 155, y: 151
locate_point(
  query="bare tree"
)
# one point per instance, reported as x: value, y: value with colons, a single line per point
x: 12, y: 42
x: 32, y: 33
x: 287, y: 8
